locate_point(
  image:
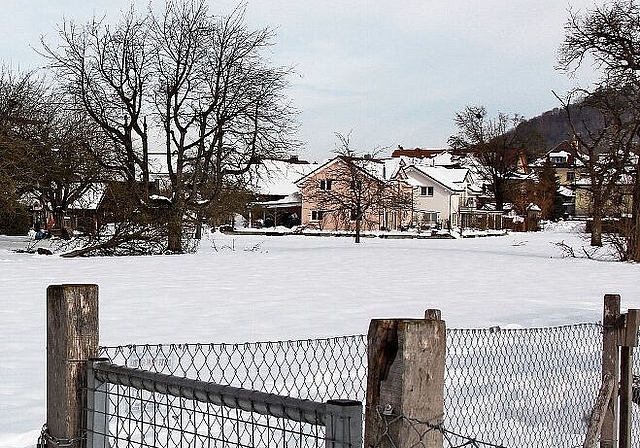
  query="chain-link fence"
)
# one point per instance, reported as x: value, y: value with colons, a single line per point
x: 503, y: 387
x: 524, y: 387
x: 134, y: 407
x: 416, y: 433
x: 314, y: 369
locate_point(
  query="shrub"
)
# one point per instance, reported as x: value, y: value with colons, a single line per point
x: 14, y: 220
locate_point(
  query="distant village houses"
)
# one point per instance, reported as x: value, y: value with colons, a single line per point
x: 418, y: 189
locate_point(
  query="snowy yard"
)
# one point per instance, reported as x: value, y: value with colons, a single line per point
x: 255, y: 288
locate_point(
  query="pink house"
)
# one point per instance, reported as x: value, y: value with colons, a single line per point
x: 344, y: 189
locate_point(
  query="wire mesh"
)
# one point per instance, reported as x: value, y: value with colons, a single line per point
x: 314, y: 369
x: 503, y: 387
x: 395, y: 431
x: 135, y: 417
x: 523, y: 387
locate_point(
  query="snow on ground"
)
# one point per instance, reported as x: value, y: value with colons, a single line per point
x: 255, y: 288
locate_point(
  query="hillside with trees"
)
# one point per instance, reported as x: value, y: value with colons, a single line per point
x: 553, y: 127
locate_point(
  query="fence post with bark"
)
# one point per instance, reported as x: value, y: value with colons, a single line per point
x: 405, y: 382
x: 611, y: 417
x: 72, y: 339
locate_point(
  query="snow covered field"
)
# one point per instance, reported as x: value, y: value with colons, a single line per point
x: 273, y: 288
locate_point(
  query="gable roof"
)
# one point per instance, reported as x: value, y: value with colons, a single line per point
x: 375, y: 168
x: 279, y: 177
x: 565, y: 150
x: 91, y: 198
x: 452, y: 179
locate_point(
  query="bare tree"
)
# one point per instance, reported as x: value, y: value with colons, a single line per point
x: 45, y: 149
x: 354, y: 189
x: 603, y: 150
x: 221, y: 105
x: 107, y: 73
x: 609, y: 36
x: 199, y: 82
x: 494, y: 146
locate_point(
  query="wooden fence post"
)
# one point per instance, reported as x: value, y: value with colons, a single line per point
x: 72, y: 339
x: 405, y: 383
x: 610, y: 366
x: 628, y: 340
x: 597, y: 414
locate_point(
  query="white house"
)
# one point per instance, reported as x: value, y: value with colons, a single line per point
x: 439, y: 194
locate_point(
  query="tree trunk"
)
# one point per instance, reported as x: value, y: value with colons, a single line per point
x: 633, y: 240
x: 596, y: 227
x: 198, y: 234
x: 498, y: 194
x: 174, y: 228
x: 358, y: 221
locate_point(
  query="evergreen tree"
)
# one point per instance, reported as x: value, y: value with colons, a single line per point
x: 548, y: 196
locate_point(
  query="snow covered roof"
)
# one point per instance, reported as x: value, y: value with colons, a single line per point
x: 534, y: 208
x: 562, y: 155
x: 381, y: 169
x: 279, y: 177
x: 90, y: 199
x: 294, y: 199
x: 451, y: 178
x: 566, y: 192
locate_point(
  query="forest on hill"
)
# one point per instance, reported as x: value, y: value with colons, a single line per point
x: 553, y: 127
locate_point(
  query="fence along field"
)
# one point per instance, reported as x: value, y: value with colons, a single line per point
x: 503, y: 387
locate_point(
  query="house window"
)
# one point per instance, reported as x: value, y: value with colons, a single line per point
x: 429, y: 218
x: 571, y: 176
x: 317, y: 215
x: 426, y: 191
x: 325, y: 184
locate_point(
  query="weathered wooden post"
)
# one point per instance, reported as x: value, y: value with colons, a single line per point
x: 628, y: 339
x: 405, y: 383
x: 72, y: 339
x: 596, y: 419
x: 610, y: 366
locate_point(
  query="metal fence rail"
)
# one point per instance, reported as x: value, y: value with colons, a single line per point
x: 128, y: 406
x: 506, y: 387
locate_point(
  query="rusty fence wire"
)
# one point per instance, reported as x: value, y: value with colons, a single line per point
x: 503, y: 387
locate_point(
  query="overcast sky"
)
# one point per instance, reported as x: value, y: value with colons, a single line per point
x: 393, y: 72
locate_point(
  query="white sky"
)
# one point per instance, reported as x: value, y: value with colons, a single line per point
x: 394, y: 72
